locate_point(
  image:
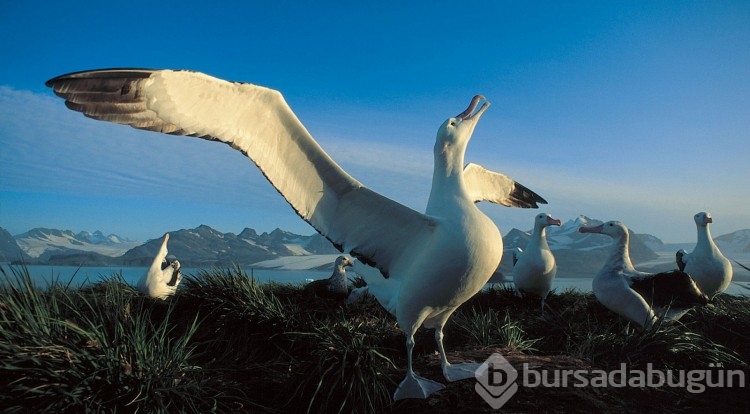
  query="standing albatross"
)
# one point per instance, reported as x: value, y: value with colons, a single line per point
x: 535, y: 268
x: 710, y: 269
x: 420, y: 266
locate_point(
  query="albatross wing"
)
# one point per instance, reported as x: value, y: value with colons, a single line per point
x: 257, y: 122
x: 486, y: 185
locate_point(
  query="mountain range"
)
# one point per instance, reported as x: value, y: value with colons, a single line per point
x: 202, y: 247
x: 577, y: 254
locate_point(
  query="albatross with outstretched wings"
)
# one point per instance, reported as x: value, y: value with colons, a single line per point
x: 420, y: 266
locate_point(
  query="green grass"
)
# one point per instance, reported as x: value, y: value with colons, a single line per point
x: 98, y: 349
x: 485, y: 327
x: 226, y: 343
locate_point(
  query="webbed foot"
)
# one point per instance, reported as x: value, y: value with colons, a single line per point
x: 414, y: 386
x: 457, y: 372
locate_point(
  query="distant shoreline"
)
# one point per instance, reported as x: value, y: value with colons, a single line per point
x: 77, y: 275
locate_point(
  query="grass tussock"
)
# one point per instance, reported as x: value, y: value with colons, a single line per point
x: 226, y: 343
x: 97, y: 349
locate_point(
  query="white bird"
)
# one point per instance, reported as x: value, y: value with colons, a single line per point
x: 334, y: 287
x: 421, y: 267
x: 710, y: 269
x: 639, y: 296
x: 163, y: 277
x: 535, y: 268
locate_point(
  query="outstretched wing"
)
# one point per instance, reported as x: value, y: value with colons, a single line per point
x: 257, y: 122
x: 156, y: 264
x: 486, y: 185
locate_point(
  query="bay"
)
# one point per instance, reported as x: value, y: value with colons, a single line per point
x: 77, y: 276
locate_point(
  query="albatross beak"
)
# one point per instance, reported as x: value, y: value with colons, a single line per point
x: 467, y: 114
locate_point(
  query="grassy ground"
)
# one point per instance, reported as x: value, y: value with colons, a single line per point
x: 225, y: 343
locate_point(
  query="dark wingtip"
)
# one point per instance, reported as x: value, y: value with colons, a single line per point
x: 101, y: 73
x: 525, y: 198
x: 678, y: 260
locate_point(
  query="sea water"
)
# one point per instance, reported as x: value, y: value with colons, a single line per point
x: 76, y: 276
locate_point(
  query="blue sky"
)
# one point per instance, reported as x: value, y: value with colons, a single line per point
x: 634, y: 110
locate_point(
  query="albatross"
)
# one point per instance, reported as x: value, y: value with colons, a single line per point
x: 535, y: 268
x: 710, y: 269
x: 419, y: 266
x: 163, y: 277
x: 639, y: 296
x: 335, y: 286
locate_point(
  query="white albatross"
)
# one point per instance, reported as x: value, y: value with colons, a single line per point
x: 710, y: 269
x: 335, y: 287
x: 534, y: 268
x: 163, y: 277
x: 638, y: 296
x: 420, y: 266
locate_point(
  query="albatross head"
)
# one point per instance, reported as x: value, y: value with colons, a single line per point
x: 702, y: 219
x: 614, y: 229
x: 459, y: 128
x: 543, y: 220
x: 169, y: 261
x: 343, y: 261
x: 454, y: 134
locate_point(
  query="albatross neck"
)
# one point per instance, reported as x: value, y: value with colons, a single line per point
x: 539, y: 236
x: 704, y: 237
x: 620, y: 258
x: 447, y: 177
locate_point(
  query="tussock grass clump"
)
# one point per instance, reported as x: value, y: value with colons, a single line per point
x: 226, y: 343
x: 242, y: 318
x: 345, y: 370
x: 726, y: 319
x: 233, y: 293
x: 96, y: 349
x: 487, y: 328
x: 670, y: 346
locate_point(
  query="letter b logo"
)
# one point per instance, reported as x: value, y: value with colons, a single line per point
x: 496, y: 380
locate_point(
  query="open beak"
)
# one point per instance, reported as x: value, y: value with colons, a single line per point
x: 469, y: 114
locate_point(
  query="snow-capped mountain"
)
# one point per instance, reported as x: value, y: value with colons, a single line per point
x: 207, y: 247
x: 39, y: 243
x: 202, y: 246
x: 580, y: 254
x: 567, y: 237
x: 735, y: 242
x: 577, y: 254
x: 9, y: 248
x: 98, y: 237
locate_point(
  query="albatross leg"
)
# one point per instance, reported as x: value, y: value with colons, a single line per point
x: 453, y: 372
x: 414, y: 386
